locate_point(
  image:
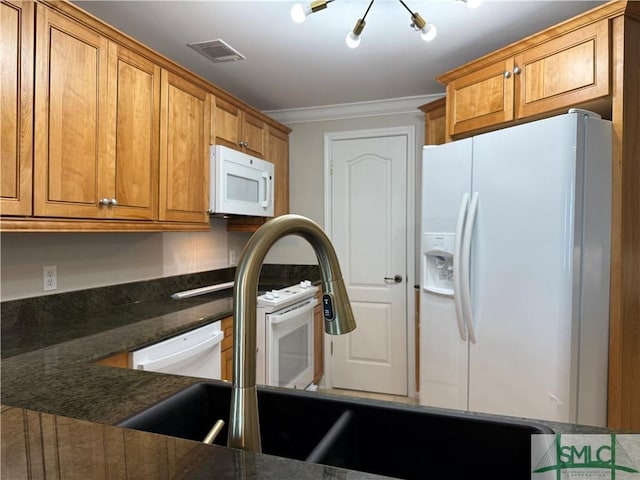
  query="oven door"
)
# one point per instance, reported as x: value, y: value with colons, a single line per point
x: 289, y: 345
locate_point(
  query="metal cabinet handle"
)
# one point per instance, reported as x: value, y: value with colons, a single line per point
x: 396, y: 278
x: 507, y: 74
x: 107, y: 201
x: 517, y: 70
x: 244, y: 144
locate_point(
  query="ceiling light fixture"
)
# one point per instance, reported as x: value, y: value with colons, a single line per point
x: 428, y: 31
x: 353, y: 37
x: 299, y: 11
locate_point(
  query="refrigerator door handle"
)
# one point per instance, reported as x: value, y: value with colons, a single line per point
x: 465, y: 268
x: 457, y: 265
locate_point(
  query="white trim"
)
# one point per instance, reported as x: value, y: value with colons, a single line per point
x: 374, y: 108
x: 410, y: 133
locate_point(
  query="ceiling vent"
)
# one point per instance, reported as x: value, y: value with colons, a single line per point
x: 217, y: 51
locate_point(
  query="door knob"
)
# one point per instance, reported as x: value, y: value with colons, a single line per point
x: 395, y: 278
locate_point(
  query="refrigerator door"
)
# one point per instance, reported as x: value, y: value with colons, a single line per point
x: 446, y: 180
x: 522, y: 271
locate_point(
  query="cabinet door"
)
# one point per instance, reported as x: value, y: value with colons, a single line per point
x: 130, y: 173
x: 253, y: 135
x: 227, y: 349
x: 226, y: 126
x: 563, y: 72
x: 16, y: 107
x: 278, y: 153
x: 481, y: 98
x: 184, y: 150
x: 70, y: 118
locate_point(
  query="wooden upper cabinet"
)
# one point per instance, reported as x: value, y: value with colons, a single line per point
x: 235, y: 128
x: 564, y: 71
x: 481, y: 98
x: 97, y: 116
x: 71, y: 120
x: 435, y: 123
x: 278, y: 153
x: 184, y: 150
x: 130, y: 173
x: 16, y: 105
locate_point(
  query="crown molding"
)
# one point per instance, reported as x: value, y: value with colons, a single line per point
x: 391, y: 106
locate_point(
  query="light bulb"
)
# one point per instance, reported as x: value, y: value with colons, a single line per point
x: 428, y: 32
x: 352, y: 40
x: 299, y: 13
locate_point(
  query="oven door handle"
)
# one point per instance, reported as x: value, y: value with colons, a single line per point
x: 182, y: 355
x: 294, y: 312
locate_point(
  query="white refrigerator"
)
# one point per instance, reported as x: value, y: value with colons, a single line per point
x: 514, y: 280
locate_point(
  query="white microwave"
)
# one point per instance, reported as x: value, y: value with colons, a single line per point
x: 240, y: 184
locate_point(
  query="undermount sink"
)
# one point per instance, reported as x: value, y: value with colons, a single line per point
x: 369, y: 436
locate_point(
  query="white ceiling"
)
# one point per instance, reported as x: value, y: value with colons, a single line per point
x: 291, y: 65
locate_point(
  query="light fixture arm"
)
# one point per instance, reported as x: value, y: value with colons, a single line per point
x: 416, y: 18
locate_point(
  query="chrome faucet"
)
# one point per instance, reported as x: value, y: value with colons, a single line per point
x: 244, y: 425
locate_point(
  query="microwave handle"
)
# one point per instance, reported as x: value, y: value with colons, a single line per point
x: 267, y: 195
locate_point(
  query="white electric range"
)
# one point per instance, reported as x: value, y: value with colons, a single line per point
x: 285, y: 336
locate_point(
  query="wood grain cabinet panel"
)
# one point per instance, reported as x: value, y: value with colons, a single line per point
x: 70, y: 121
x: 561, y: 72
x: 481, y: 98
x: 278, y: 153
x: 435, y: 121
x: 130, y: 172
x: 97, y: 125
x: 566, y: 71
x: 16, y: 105
x: 184, y: 150
x: 227, y: 349
x: 234, y: 127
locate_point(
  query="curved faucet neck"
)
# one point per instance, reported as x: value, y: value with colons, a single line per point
x: 244, y: 425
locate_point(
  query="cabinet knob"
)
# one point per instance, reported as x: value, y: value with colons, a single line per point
x: 114, y: 201
x: 244, y: 144
x: 108, y: 201
x: 517, y: 70
x: 507, y: 74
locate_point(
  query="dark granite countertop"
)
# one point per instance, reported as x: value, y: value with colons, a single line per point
x: 49, y: 368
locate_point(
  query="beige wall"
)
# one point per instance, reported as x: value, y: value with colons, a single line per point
x: 87, y: 260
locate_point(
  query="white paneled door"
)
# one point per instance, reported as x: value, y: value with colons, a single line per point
x: 368, y: 226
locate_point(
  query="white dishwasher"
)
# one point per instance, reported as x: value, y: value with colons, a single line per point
x: 195, y: 353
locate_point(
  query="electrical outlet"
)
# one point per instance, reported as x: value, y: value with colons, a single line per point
x: 232, y: 257
x: 49, y: 277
